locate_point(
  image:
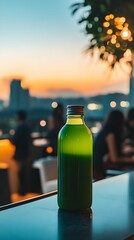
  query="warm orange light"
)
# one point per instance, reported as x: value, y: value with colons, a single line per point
x: 114, y: 36
x: 126, y: 25
x: 118, y: 45
x: 111, y: 16
x: 119, y: 26
x: 3, y: 165
x: 49, y: 149
x: 113, y: 41
x: 4, y: 142
x: 130, y: 39
x: 110, y: 58
x: 6, y: 150
x: 109, y: 31
x: 119, y: 21
x: 122, y: 19
x: 102, y: 48
x: 118, y: 34
x: 107, y: 18
x: 128, y: 54
x: 125, y: 34
x: 106, y: 24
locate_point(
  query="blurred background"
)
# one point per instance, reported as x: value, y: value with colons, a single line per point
x: 42, y: 65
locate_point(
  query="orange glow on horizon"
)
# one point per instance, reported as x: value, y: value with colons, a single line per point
x: 86, y: 76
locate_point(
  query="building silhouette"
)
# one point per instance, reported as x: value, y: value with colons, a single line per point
x: 19, y: 97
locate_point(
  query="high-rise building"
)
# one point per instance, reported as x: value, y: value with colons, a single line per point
x: 19, y: 97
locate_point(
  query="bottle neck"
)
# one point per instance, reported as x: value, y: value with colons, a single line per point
x: 75, y: 119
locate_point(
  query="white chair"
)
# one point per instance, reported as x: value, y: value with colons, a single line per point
x: 48, y: 173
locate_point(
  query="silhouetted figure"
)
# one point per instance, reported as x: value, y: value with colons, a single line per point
x: 107, y: 144
x: 130, y: 127
x: 55, y: 123
x: 21, y: 140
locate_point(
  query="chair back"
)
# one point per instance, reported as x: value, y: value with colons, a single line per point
x: 48, y: 173
x: 50, y: 169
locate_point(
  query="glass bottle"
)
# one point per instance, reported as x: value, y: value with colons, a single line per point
x: 75, y: 162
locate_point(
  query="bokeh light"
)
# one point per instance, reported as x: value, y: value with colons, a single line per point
x: 124, y: 104
x: 1, y: 132
x: 94, y: 106
x: 54, y: 104
x: 49, y: 149
x: 12, y: 132
x: 113, y: 104
x: 42, y: 123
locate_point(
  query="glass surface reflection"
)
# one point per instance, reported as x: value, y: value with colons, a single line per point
x: 74, y: 225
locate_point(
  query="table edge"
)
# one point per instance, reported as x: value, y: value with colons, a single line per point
x: 12, y: 205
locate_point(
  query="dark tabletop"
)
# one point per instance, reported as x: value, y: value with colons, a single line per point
x: 112, y: 216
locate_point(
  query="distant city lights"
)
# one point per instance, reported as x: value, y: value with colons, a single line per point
x: 113, y: 104
x: 42, y: 123
x: 54, y: 104
x: 99, y: 125
x: 11, y: 132
x: 40, y: 142
x: 94, y: 106
x: 94, y: 130
x: 35, y: 134
x: 124, y: 104
x: 49, y: 149
x: 97, y: 128
x: 1, y: 132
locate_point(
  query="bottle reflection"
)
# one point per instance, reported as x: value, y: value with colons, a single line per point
x: 74, y: 225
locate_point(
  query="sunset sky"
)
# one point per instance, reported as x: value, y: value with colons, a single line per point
x: 41, y: 43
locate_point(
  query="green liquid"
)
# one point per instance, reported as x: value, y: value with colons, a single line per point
x: 75, y: 167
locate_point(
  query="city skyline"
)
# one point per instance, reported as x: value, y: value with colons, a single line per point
x: 42, y: 44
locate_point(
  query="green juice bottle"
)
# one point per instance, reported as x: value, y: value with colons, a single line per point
x: 75, y: 162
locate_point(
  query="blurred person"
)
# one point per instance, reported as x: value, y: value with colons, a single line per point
x: 19, y: 165
x: 108, y: 144
x: 55, y: 123
x: 130, y: 127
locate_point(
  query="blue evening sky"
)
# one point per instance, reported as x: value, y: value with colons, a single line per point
x: 42, y: 42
